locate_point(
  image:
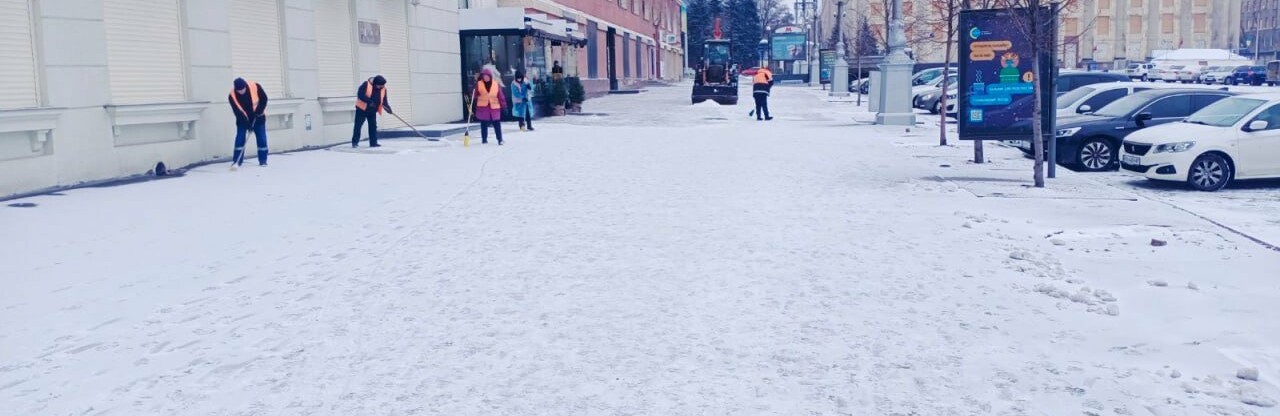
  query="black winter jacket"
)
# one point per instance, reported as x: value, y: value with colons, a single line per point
x: 247, y: 103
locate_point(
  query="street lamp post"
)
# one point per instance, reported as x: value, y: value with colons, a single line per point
x: 895, y: 77
x: 840, y: 73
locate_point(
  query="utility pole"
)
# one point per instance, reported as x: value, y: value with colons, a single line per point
x: 978, y: 156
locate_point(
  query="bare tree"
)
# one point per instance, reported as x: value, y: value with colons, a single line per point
x: 947, y: 13
x: 773, y: 14
x: 1038, y: 29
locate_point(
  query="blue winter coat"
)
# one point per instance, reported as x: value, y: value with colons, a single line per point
x: 521, y: 98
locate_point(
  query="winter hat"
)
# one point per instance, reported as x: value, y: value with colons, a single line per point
x: 240, y: 84
x: 379, y: 80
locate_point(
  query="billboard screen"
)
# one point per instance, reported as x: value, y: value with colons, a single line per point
x: 788, y: 47
x: 997, y: 98
x: 827, y: 58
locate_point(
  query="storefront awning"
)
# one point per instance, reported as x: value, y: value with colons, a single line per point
x: 514, y: 21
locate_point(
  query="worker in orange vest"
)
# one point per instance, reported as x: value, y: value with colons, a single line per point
x: 371, y: 99
x: 761, y: 85
x: 249, y: 104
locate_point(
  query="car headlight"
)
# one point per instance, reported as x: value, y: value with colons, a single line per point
x: 928, y: 96
x: 1175, y: 147
x: 1068, y: 132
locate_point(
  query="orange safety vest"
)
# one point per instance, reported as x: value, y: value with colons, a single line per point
x: 486, y: 98
x: 368, y: 92
x: 253, y: 98
x: 764, y: 76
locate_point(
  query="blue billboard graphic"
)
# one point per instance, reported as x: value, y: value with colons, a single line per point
x: 997, y: 94
x: 788, y: 47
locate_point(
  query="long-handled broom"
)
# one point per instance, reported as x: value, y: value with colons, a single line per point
x: 415, y: 130
x: 466, y: 136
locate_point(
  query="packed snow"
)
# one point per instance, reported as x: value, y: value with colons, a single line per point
x: 648, y: 258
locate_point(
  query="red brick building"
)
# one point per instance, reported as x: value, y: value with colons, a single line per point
x: 626, y: 41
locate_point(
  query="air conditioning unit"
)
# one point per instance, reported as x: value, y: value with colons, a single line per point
x: 670, y: 39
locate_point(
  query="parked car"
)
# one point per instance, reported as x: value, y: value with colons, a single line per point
x: 1170, y: 74
x: 932, y: 100
x: 1248, y: 75
x: 930, y: 75
x: 1190, y: 74
x: 1139, y: 71
x: 1273, y: 73
x: 918, y: 92
x: 1090, y: 98
x: 1216, y: 75
x: 1092, y: 142
x: 1234, y: 139
x: 1070, y: 81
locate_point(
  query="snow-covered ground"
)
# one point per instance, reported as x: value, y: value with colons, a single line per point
x: 655, y: 258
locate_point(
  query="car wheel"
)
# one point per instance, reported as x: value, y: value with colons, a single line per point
x: 1209, y: 173
x: 1096, y: 155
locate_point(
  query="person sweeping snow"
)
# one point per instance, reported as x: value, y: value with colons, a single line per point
x: 761, y: 85
x: 371, y: 99
x: 249, y: 104
x: 521, y: 108
x: 489, y: 99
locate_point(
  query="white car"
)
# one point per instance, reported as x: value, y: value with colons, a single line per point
x: 1234, y: 138
x: 1190, y: 74
x: 1170, y: 74
x: 1139, y: 71
x: 1090, y: 98
x: 918, y: 92
x: 1216, y: 75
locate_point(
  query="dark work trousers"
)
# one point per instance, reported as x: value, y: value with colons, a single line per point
x: 484, y: 130
x: 762, y: 105
x: 527, y: 119
x: 361, y: 117
x: 259, y: 133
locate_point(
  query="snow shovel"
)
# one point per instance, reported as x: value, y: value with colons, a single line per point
x: 415, y: 130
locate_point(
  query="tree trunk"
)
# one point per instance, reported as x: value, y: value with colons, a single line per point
x: 946, y: 63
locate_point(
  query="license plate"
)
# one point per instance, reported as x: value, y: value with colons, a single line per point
x: 1019, y: 143
x: 1131, y: 160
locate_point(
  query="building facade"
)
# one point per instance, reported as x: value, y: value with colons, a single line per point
x: 101, y: 89
x: 1112, y: 33
x: 1099, y: 33
x: 644, y: 38
x: 923, y: 25
x: 1260, y: 29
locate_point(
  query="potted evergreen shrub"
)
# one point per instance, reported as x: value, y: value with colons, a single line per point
x: 557, y: 96
x: 577, y: 94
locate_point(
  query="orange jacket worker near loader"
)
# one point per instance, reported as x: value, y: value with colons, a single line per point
x: 761, y: 85
x: 371, y: 99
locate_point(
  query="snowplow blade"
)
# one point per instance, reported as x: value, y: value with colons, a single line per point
x: 722, y: 94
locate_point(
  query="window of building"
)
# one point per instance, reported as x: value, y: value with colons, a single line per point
x: 1070, y: 26
x: 1199, y: 23
x: 1166, y: 23
x: 1166, y: 3
x: 18, y: 74
x: 1103, y: 25
x: 1135, y: 24
x: 1104, y: 4
x: 144, y: 51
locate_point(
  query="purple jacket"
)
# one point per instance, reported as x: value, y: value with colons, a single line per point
x: 490, y: 113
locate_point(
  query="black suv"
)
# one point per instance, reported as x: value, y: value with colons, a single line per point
x: 1068, y: 81
x: 1248, y: 75
x: 1092, y: 142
